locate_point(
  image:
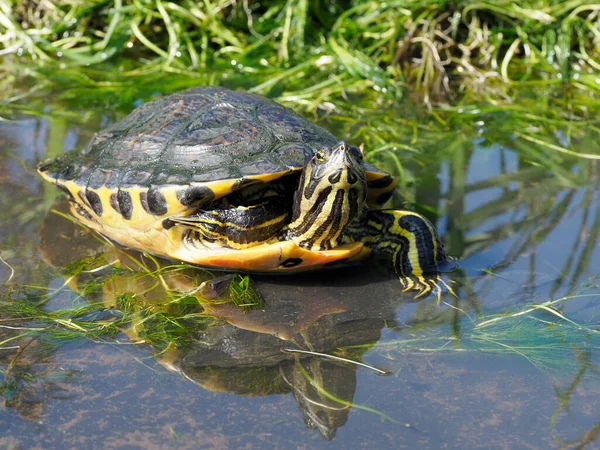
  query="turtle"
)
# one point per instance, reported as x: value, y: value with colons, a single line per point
x: 234, y: 181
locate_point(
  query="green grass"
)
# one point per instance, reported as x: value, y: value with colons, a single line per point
x: 313, y: 51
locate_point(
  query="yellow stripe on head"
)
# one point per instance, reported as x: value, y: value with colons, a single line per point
x: 331, y: 193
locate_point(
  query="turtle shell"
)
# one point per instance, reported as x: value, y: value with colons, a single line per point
x: 174, y: 154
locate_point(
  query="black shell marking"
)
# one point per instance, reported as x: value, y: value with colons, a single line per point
x: 381, y: 199
x: 195, y: 195
x: 125, y: 204
x: 94, y: 201
x: 157, y: 204
x: 114, y: 203
x: 381, y: 182
x: 82, y: 197
x: 291, y: 262
x: 63, y: 188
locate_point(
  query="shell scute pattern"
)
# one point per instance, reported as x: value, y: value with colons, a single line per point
x: 94, y: 202
x: 135, y: 177
x: 144, y: 201
x: 192, y: 136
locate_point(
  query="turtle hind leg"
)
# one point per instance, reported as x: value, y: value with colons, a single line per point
x: 412, y: 242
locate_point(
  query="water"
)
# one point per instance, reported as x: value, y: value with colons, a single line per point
x: 523, y: 221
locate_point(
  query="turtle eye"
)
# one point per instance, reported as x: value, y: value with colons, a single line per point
x: 320, y: 155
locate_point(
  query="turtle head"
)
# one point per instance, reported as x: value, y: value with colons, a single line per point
x: 331, y: 193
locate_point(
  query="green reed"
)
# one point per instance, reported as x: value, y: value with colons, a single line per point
x: 436, y: 48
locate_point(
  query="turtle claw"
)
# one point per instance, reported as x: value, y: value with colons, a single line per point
x: 407, y: 284
x: 425, y: 286
x: 424, y: 290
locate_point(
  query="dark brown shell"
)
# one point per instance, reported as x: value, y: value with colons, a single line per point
x: 194, y: 137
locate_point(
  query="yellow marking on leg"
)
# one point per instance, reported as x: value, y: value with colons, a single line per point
x: 416, y: 279
x: 413, y: 252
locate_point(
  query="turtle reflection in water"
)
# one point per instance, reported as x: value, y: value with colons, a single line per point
x: 235, y: 181
x: 244, y: 353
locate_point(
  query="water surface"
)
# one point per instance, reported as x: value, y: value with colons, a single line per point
x: 522, y: 220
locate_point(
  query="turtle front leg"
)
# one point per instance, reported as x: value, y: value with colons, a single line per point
x: 412, y: 242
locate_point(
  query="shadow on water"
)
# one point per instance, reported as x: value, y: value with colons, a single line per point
x: 90, y: 332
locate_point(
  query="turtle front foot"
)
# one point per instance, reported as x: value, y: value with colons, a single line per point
x: 432, y: 284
